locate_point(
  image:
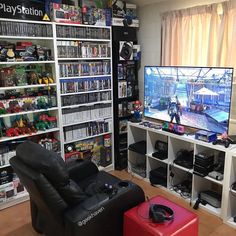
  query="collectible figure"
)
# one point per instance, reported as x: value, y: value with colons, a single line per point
x: 42, y: 103
x: 12, y: 132
x: 137, y: 112
x: 10, y: 55
x: 2, y: 109
x: 33, y: 78
x: 14, y: 107
x: 29, y: 105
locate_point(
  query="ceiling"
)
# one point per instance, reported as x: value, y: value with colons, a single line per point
x: 141, y: 3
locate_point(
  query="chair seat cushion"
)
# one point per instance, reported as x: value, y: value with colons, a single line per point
x: 51, y: 165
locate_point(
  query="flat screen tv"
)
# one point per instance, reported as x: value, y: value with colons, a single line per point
x: 197, y: 97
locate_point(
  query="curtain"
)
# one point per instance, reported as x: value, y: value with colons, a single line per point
x: 200, y: 36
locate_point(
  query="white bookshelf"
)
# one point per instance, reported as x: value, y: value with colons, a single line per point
x: 227, y: 211
x: 79, y: 77
x: 8, y: 118
x: 51, y: 42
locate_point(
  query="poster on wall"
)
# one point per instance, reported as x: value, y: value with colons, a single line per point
x: 24, y: 10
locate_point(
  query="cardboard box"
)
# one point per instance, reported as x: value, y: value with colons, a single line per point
x: 96, y: 12
x: 96, y: 16
x: 65, y: 13
x: 6, y: 191
x: 120, y: 22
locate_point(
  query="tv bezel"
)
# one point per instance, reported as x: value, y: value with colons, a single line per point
x: 188, y: 126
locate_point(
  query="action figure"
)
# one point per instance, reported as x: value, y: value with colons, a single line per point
x: 137, y: 112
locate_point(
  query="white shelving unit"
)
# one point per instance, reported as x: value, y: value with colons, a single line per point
x: 22, y: 88
x: 85, y: 81
x: 94, y: 66
x: 137, y: 132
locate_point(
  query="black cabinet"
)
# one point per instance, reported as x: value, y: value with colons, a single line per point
x: 125, y: 87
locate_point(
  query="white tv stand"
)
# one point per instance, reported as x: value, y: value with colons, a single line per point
x: 138, y: 132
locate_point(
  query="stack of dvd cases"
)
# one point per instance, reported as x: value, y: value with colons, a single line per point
x: 78, y: 49
x: 85, y: 68
x: 85, y: 113
x: 81, y: 131
x: 77, y: 99
x: 85, y: 84
x: 25, y: 29
x: 82, y: 32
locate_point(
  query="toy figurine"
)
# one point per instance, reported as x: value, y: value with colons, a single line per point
x: 45, y: 79
x: 33, y: 78
x: 29, y: 105
x: 2, y: 109
x: 42, y: 103
x: 23, y: 126
x: 50, y: 120
x: 12, y: 132
x: 10, y: 55
x: 137, y: 112
x: 14, y: 107
x: 42, y: 125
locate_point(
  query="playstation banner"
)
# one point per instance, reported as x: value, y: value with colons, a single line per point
x: 25, y: 10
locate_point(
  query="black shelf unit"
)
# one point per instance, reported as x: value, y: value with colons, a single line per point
x: 125, y: 72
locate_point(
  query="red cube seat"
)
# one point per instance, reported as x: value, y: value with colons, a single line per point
x: 137, y: 222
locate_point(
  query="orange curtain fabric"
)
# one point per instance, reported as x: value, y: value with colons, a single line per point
x: 200, y: 36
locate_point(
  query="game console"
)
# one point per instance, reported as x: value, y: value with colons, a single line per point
x: 158, y: 176
x: 208, y: 197
x: 162, y: 150
x: 139, y: 147
x: 203, y: 164
x: 216, y: 175
x: 184, y: 158
x: 204, y: 159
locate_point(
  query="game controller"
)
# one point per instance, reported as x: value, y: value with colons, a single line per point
x: 224, y: 142
x: 109, y: 189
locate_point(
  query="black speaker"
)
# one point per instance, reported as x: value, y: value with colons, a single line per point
x: 160, y: 213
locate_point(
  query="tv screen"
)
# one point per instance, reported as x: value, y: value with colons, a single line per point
x: 198, y: 97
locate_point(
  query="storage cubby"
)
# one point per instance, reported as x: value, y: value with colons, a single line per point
x: 152, y: 139
x: 216, y: 168
x: 180, y: 181
x: 202, y: 184
x: 159, y: 171
x: 137, y: 164
x: 181, y: 153
x: 231, y: 217
x: 136, y: 134
x: 223, y: 161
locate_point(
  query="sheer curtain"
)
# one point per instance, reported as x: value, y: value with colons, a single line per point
x: 200, y: 36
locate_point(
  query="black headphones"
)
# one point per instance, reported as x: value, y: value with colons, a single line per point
x: 160, y: 213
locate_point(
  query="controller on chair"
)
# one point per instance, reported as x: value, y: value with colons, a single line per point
x: 109, y: 189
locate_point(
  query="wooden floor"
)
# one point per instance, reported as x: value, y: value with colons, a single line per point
x: 15, y: 221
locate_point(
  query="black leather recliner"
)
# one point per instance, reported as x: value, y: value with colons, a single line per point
x: 74, y: 198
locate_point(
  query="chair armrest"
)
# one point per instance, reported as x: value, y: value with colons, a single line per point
x: 102, y: 214
x: 80, y: 169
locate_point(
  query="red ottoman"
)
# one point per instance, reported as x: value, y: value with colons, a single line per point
x: 137, y: 222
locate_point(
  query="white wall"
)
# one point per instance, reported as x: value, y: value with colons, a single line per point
x: 149, y: 34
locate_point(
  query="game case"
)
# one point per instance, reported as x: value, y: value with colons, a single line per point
x: 122, y: 89
x: 66, y: 13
